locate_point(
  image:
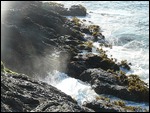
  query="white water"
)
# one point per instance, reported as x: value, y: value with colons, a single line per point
x: 77, y: 89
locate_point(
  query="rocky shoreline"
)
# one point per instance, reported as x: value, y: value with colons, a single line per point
x: 33, y: 31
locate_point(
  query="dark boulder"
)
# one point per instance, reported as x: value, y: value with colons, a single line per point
x: 96, y: 61
x: 75, y: 68
x: 82, y: 62
x: 77, y: 10
x: 56, y: 7
x: 104, y: 106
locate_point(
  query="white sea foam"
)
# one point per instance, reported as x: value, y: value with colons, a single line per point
x: 77, y: 89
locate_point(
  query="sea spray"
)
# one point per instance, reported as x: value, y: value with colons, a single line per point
x: 77, y: 89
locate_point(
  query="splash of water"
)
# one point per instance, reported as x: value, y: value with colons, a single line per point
x: 80, y: 91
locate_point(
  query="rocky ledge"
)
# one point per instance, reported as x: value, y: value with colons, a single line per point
x: 20, y: 93
x: 74, y: 10
x: 122, y: 86
x: 36, y: 40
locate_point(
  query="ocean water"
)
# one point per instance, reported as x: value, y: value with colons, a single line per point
x: 125, y: 24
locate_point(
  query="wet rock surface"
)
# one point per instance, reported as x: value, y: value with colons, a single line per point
x: 104, y: 82
x: 102, y: 106
x: 19, y: 93
x: 77, y: 10
x: 82, y: 62
x: 116, y: 106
